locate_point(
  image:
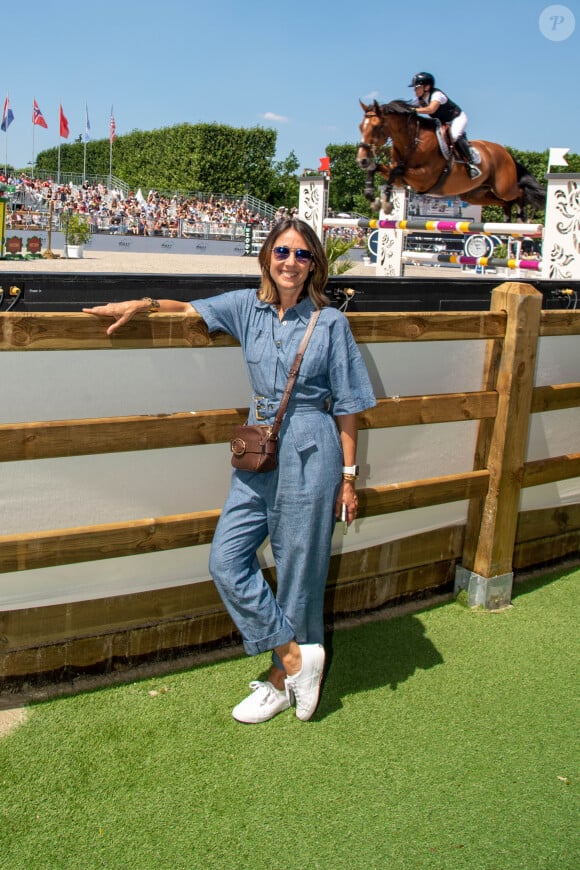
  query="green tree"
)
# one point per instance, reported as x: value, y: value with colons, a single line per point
x: 203, y: 157
x: 285, y: 183
x: 347, y: 181
x: 536, y: 162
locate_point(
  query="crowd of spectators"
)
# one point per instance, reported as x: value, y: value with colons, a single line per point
x: 108, y: 210
x: 33, y: 201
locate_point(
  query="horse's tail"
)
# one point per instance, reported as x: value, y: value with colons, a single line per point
x: 534, y: 192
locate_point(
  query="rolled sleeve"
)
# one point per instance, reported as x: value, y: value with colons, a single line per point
x: 349, y: 380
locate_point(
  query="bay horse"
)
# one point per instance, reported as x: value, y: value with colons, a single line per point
x: 417, y: 161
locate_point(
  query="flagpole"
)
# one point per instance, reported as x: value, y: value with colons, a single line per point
x: 85, y: 138
x: 112, y: 128
x: 58, y: 170
x: 33, y: 126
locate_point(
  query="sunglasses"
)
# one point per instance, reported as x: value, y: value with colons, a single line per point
x: 281, y: 252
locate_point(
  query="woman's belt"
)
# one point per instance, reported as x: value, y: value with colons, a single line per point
x: 265, y: 408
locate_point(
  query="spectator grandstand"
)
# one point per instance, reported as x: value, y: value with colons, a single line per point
x: 33, y: 203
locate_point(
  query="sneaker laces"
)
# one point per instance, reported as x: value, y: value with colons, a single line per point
x: 268, y: 692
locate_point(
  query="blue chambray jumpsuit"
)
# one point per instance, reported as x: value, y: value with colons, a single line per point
x: 294, y: 504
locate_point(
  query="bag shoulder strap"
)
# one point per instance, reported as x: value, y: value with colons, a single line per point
x: 294, y: 373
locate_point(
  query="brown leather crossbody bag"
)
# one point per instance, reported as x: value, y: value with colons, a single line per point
x: 255, y: 447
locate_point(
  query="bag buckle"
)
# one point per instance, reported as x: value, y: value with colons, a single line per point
x: 238, y: 446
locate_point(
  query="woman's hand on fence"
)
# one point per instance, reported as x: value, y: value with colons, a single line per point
x: 121, y: 312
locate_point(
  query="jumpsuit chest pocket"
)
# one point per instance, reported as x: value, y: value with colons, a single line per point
x: 256, y: 342
x: 315, y: 361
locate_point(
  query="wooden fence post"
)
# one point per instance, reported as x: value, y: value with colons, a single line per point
x: 486, y: 569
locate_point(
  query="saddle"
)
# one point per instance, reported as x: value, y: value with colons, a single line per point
x: 447, y: 147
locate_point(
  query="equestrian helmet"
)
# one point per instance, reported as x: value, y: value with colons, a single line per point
x: 423, y: 78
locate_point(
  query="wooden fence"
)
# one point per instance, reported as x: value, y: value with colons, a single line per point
x: 44, y: 640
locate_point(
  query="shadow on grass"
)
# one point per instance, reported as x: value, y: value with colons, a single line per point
x: 374, y: 655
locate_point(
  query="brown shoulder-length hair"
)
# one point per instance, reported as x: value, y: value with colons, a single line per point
x: 317, y: 278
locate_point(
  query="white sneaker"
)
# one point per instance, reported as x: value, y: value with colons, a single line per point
x: 304, y: 687
x: 264, y: 703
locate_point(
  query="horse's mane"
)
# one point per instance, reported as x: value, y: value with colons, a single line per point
x: 397, y: 107
x: 402, y: 107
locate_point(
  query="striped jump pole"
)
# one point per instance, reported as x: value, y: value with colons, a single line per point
x: 464, y: 260
x: 442, y: 226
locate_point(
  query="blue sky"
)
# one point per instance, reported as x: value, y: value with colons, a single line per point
x: 299, y: 67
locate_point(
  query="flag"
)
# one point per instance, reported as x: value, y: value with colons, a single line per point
x: 7, y: 116
x: 557, y: 157
x: 38, y: 117
x: 112, y: 127
x: 64, y: 131
x: 87, y: 124
x: 324, y: 164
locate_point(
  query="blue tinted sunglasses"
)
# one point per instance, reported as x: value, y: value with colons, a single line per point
x: 281, y: 252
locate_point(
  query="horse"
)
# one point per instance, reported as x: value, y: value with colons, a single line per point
x: 417, y: 161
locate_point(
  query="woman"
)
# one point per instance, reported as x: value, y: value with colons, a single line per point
x: 431, y: 101
x: 297, y: 504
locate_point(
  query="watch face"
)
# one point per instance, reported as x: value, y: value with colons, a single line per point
x: 478, y: 246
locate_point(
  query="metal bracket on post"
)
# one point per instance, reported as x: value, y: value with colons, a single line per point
x: 492, y: 593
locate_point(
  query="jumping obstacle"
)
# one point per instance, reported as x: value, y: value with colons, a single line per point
x: 560, y: 254
x: 455, y: 227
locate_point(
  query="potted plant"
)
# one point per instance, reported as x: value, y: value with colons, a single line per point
x: 336, y: 254
x: 77, y: 233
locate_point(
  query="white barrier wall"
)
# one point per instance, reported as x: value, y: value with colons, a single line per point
x: 76, y: 491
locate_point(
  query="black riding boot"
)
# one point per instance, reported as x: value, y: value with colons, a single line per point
x: 462, y: 146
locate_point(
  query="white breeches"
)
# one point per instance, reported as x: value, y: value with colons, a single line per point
x: 457, y: 126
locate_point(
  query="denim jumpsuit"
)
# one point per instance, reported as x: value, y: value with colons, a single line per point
x: 294, y: 504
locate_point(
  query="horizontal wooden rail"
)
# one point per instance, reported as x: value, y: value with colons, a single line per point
x: 552, y: 469
x: 88, y: 543
x: 78, y: 331
x: 555, y: 397
x: 435, y: 408
x: 116, y: 434
x: 59, y: 438
x: 106, y: 541
x: 119, y: 434
x: 548, y: 522
x: 565, y: 322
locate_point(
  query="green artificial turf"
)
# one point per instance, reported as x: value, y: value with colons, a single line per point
x: 444, y: 739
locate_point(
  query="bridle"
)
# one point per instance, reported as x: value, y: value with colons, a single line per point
x: 374, y: 151
x: 378, y: 152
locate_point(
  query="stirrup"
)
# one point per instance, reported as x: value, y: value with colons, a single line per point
x: 474, y: 171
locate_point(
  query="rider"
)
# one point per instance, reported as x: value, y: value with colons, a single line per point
x: 431, y: 101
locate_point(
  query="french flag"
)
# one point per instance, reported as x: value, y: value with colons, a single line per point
x: 7, y: 115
